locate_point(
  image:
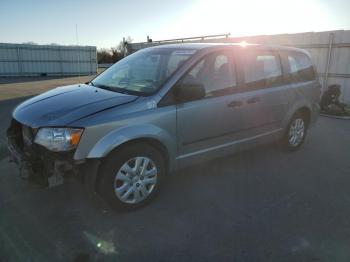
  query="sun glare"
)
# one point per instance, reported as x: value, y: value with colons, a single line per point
x: 251, y: 17
x: 243, y: 44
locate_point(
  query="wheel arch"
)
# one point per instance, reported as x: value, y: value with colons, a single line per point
x: 306, y: 112
x: 120, y: 139
x: 145, y: 140
x: 150, y: 134
x: 303, y: 108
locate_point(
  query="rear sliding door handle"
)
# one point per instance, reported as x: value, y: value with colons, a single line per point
x: 235, y: 103
x: 253, y: 100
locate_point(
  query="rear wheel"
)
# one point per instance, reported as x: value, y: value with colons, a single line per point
x: 131, y: 177
x: 296, y: 132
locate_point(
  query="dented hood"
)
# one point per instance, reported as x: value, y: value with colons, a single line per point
x: 64, y: 105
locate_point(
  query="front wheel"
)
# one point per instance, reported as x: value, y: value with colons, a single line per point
x: 295, y: 133
x: 131, y: 176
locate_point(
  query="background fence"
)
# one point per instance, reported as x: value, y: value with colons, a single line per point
x: 330, y: 51
x: 29, y: 60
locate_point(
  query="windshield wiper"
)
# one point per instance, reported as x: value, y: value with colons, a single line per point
x: 119, y: 90
x: 127, y: 91
x: 104, y: 87
x: 90, y: 83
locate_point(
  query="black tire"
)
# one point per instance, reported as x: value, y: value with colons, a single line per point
x: 287, y: 145
x: 115, y: 160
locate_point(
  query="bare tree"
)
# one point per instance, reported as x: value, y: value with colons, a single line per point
x: 114, y: 54
x: 124, y: 47
x: 29, y: 43
x: 104, y: 56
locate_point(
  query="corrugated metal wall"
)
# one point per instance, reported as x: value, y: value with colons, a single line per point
x: 330, y: 48
x: 29, y: 60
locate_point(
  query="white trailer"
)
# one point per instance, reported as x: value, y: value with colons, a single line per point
x: 52, y: 60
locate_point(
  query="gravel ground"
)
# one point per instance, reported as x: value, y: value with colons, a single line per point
x: 11, y: 88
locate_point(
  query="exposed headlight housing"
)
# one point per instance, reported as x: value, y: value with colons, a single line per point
x: 58, y: 139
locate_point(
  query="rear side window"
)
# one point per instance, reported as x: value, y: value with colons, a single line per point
x: 299, y: 67
x: 261, y: 69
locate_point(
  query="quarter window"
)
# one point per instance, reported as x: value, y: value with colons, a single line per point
x: 215, y: 72
x: 300, y: 68
x: 261, y: 69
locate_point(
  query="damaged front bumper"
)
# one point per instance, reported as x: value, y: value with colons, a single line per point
x: 44, y: 167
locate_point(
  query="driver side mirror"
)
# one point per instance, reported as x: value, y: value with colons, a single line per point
x: 189, y: 92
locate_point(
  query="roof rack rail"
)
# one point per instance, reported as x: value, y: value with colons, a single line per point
x: 185, y: 38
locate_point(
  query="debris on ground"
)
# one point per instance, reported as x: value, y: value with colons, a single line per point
x: 330, y: 104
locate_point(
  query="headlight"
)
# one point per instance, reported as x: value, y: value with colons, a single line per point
x: 58, y: 139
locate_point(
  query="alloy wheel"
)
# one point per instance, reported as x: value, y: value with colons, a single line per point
x: 135, y: 180
x: 296, y: 132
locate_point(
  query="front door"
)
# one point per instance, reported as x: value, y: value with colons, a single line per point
x: 208, y: 122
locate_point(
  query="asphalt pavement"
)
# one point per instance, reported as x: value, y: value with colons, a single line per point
x: 259, y: 205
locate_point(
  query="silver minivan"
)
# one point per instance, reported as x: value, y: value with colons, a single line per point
x: 161, y: 109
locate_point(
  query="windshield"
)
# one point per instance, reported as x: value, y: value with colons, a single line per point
x: 144, y: 71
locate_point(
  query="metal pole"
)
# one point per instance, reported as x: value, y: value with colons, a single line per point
x: 19, y: 59
x: 328, y: 63
x: 96, y: 61
x: 78, y: 50
x: 90, y: 62
x: 60, y: 59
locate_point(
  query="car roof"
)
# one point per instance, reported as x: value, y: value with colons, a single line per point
x: 199, y: 46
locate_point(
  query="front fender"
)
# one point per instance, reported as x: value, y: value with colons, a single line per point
x: 120, y: 136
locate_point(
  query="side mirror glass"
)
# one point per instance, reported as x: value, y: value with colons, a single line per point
x: 189, y: 92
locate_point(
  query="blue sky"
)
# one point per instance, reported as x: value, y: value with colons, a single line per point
x: 104, y: 23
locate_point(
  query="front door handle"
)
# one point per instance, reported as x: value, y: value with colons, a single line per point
x: 235, y: 103
x: 253, y: 100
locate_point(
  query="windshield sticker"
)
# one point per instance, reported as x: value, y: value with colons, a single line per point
x: 151, y: 104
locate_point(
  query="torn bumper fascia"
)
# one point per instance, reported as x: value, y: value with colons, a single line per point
x: 51, y: 168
